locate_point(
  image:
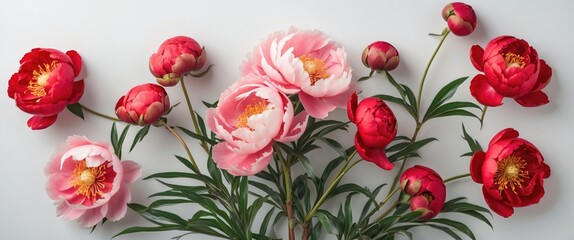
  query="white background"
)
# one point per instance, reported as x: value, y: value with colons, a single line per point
x: 116, y: 38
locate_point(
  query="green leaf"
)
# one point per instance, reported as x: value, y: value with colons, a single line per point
x: 201, y: 74
x: 157, y: 215
x: 366, y: 77
x: 76, y: 109
x: 445, y: 93
x: 457, y: 225
x: 473, y: 144
x: 327, y: 220
x: 451, y: 109
x: 140, y: 136
x: 446, y: 230
x: 161, y: 228
x: 399, y: 101
x: 197, y: 136
x: 167, y: 202
x: 210, y: 105
x: 410, y: 149
x: 265, y: 223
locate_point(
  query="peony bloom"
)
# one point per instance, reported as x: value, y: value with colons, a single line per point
x: 426, y: 188
x: 460, y: 18
x: 512, y: 172
x: 143, y: 105
x: 250, y: 116
x: 44, y: 85
x: 511, y: 69
x: 380, y: 56
x: 307, y: 63
x: 89, y: 182
x: 376, y: 128
x: 176, y: 56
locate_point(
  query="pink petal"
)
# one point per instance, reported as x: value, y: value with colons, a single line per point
x: 316, y: 107
x: 68, y: 213
x: 241, y: 164
x: 132, y: 171
x: 117, y: 206
x: 483, y: 92
x: 91, y: 217
x: 296, y: 128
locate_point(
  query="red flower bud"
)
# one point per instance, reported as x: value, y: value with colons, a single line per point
x: 380, y: 56
x: 44, y: 85
x: 143, y: 104
x: 460, y: 18
x: 376, y: 128
x: 426, y: 188
x: 512, y: 172
x: 176, y: 56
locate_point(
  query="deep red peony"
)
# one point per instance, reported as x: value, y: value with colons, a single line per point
x: 511, y: 69
x: 512, y: 172
x: 143, y: 104
x: 376, y: 128
x: 426, y: 188
x: 44, y: 84
x: 460, y: 18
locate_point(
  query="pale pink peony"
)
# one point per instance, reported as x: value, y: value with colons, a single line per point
x: 307, y: 63
x: 89, y: 182
x: 250, y: 116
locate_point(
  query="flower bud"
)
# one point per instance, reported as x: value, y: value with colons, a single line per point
x: 143, y: 104
x: 380, y: 56
x: 426, y: 188
x: 460, y: 18
x: 175, y: 57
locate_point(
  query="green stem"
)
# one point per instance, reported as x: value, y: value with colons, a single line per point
x: 444, y: 35
x: 332, y: 186
x: 99, y: 114
x: 192, y: 113
x: 288, y: 194
x: 387, y: 198
x: 482, y: 115
x: 457, y: 177
x: 176, y: 135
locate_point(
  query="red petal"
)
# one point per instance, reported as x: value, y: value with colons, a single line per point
x: 506, y: 133
x: 41, y: 122
x: 499, y: 207
x: 76, y: 61
x: 352, y: 107
x: 533, y: 99
x: 476, y: 57
x: 483, y: 92
x: 77, y: 92
x: 476, y: 166
x: 543, y: 77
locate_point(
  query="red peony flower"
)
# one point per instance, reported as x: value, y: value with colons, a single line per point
x: 176, y: 56
x: 512, y: 172
x: 511, y: 69
x: 143, y: 105
x: 380, y: 56
x: 426, y: 188
x: 44, y: 84
x: 376, y: 128
x: 460, y: 18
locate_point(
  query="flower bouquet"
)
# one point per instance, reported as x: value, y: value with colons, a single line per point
x: 249, y: 164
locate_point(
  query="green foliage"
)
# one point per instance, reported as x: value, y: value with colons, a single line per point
x: 473, y: 144
x: 76, y: 109
x: 117, y: 142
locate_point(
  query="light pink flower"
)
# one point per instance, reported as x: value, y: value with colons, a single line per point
x: 305, y: 62
x: 249, y: 117
x: 89, y: 182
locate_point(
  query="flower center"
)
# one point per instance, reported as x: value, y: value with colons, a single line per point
x: 514, y: 60
x: 251, y: 109
x: 510, y: 172
x: 40, y: 78
x: 89, y: 181
x: 315, y: 68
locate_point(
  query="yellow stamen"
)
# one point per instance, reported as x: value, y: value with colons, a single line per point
x: 315, y: 68
x: 510, y: 172
x: 88, y: 181
x: 250, y: 110
x: 514, y: 60
x: 40, y: 78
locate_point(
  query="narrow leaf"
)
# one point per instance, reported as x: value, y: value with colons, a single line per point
x: 76, y: 109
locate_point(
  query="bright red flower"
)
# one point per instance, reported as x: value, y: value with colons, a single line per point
x: 175, y: 57
x: 460, y: 18
x: 511, y: 69
x: 44, y: 84
x: 376, y: 128
x: 426, y: 188
x: 143, y: 105
x: 380, y: 56
x: 512, y: 172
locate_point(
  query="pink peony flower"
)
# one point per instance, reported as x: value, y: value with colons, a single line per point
x: 143, y: 104
x: 380, y: 55
x: 307, y: 63
x: 249, y: 117
x: 175, y: 57
x: 460, y: 18
x: 89, y: 182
